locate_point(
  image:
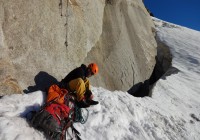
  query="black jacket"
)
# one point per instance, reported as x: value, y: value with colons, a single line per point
x: 79, y: 72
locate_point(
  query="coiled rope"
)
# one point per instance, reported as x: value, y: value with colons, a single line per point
x: 79, y: 115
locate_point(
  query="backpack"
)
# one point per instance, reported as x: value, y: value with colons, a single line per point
x: 56, y: 94
x: 52, y: 120
x: 58, y: 114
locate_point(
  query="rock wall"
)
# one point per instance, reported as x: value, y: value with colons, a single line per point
x: 126, y: 49
x: 56, y: 36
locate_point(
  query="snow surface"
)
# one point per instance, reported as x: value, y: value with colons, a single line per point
x: 173, y: 112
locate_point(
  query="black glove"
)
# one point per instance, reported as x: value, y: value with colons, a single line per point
x: 82, y: 104
x: 88, y: 93
x: 92, y: 102
x: 89, y: 101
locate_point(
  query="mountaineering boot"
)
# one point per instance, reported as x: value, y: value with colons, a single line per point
x: 92, y: 102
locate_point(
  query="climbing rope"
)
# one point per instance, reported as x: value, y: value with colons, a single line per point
x: 67, y: 14
x: 79, y: 115
x: 60, y: 7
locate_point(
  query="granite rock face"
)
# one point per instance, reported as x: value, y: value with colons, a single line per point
x: 126, y: 48
x: 53, y: 37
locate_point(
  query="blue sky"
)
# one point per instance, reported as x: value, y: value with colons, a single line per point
x: 182, y: 12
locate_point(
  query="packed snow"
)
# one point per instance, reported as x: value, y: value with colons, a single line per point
x: 172, y: 113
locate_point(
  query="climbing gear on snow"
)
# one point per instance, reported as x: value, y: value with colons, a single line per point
x: 79, y: 115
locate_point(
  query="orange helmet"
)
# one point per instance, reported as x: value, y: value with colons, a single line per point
x: 94, y: 68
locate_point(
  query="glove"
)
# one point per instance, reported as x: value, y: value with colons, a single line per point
x: 92, y: 102
x: 88, y: 97
x: 88, y: 94
x: 82, y: 104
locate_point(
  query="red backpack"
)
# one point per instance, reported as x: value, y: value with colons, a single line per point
x: 58, y: 114
x: 58, y: 111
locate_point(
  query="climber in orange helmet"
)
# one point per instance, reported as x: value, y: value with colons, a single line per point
x: 77, y: 82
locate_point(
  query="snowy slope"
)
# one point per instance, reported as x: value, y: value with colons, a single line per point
x: 173, y: 112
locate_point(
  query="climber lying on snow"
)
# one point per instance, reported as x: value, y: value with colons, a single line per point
x: 64, y: 101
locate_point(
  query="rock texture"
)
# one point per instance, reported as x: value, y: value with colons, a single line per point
x: 126, y: 49
x: 56, y: 36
